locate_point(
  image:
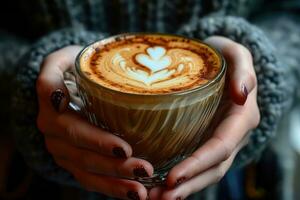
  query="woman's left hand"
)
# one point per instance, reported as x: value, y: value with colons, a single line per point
x: 238, y: 114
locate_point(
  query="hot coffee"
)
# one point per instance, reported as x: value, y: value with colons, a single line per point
x: 151, y: 64
x: 158, y: 92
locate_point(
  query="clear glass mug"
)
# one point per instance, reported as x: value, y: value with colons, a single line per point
x: 161, y: 128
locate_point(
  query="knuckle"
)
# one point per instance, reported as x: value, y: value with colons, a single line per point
x: 42, y: 86
x: 59, y: 56
x: 100, y: 146
x: 195, y: 160
x: 71, y: 131
x: 50, y: 57
x: 238, y: 47
x: 227, y: 148
x: 242, y: 49
x: 56, y: 55
x: 232, y: 48
x: 252, y: 77
x: 246, y: 52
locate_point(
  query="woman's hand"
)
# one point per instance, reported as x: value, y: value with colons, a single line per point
x: 237, y: 115
x: 97, y: 159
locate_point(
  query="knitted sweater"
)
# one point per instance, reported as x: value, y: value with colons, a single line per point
x: 67, y: 22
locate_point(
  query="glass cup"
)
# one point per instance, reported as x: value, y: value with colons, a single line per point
x: 161, y: 128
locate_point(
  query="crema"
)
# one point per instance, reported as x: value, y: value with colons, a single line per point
x: 150, y: 64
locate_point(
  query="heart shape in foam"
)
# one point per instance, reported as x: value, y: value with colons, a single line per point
x: 156, y: 59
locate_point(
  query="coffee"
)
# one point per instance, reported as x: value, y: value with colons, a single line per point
x: 151, y: 64
x: 157, y: 92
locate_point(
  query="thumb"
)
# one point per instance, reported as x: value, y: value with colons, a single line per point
x: 51, y: 89
x: 242, y: 77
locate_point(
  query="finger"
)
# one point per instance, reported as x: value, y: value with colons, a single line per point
x: 71, y: 127
x: 225, y: 139
x: 99, y: 164
x: 196, y: 184
x: 110, y: 186
x: 242, y: 78
x: 50, y: 83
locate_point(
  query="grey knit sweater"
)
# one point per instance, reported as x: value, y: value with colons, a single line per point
x: 60, y: 23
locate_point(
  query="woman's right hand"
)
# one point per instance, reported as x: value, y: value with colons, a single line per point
x: 96, y: 158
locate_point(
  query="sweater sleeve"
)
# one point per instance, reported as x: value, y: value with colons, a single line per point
x: 29, y: 140
x: 11, y: 49
x: 286, y: 37
x: 274, y: 93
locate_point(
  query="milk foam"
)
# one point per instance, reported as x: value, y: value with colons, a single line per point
x: 151, y: 64
x: 156, y: 59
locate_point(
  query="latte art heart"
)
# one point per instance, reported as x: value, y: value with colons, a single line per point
x: 140, y: 75
x: 151, y: 64
x: 155, y: 60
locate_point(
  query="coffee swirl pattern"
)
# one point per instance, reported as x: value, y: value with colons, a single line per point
x: 151, y: 64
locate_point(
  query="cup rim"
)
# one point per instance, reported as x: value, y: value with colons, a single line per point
x: 210, y: 83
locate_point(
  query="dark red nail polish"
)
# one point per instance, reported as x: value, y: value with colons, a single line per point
x: 178, y: 198
x: 119, y: 152
x: 56, y: 98
x: 133, y: 195
x: 140, y: 172
x: 180, y: 181
x: 244, y: 91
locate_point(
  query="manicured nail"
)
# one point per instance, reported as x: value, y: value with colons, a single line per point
x: 244, y: 91
x: 119, y: 152
x: 178, y: 198
x: 133, y: 195
x: 180, y: 181
x: 140, y: 172
x: 56, y: 98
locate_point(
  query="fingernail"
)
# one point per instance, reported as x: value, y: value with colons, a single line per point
x: 133, y: 195
x: 119, y: 152
x: 56, y: 98
x: 180, y: 181
x: 178, y: 198
x: 140, y: 172
x: 244, y: 91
